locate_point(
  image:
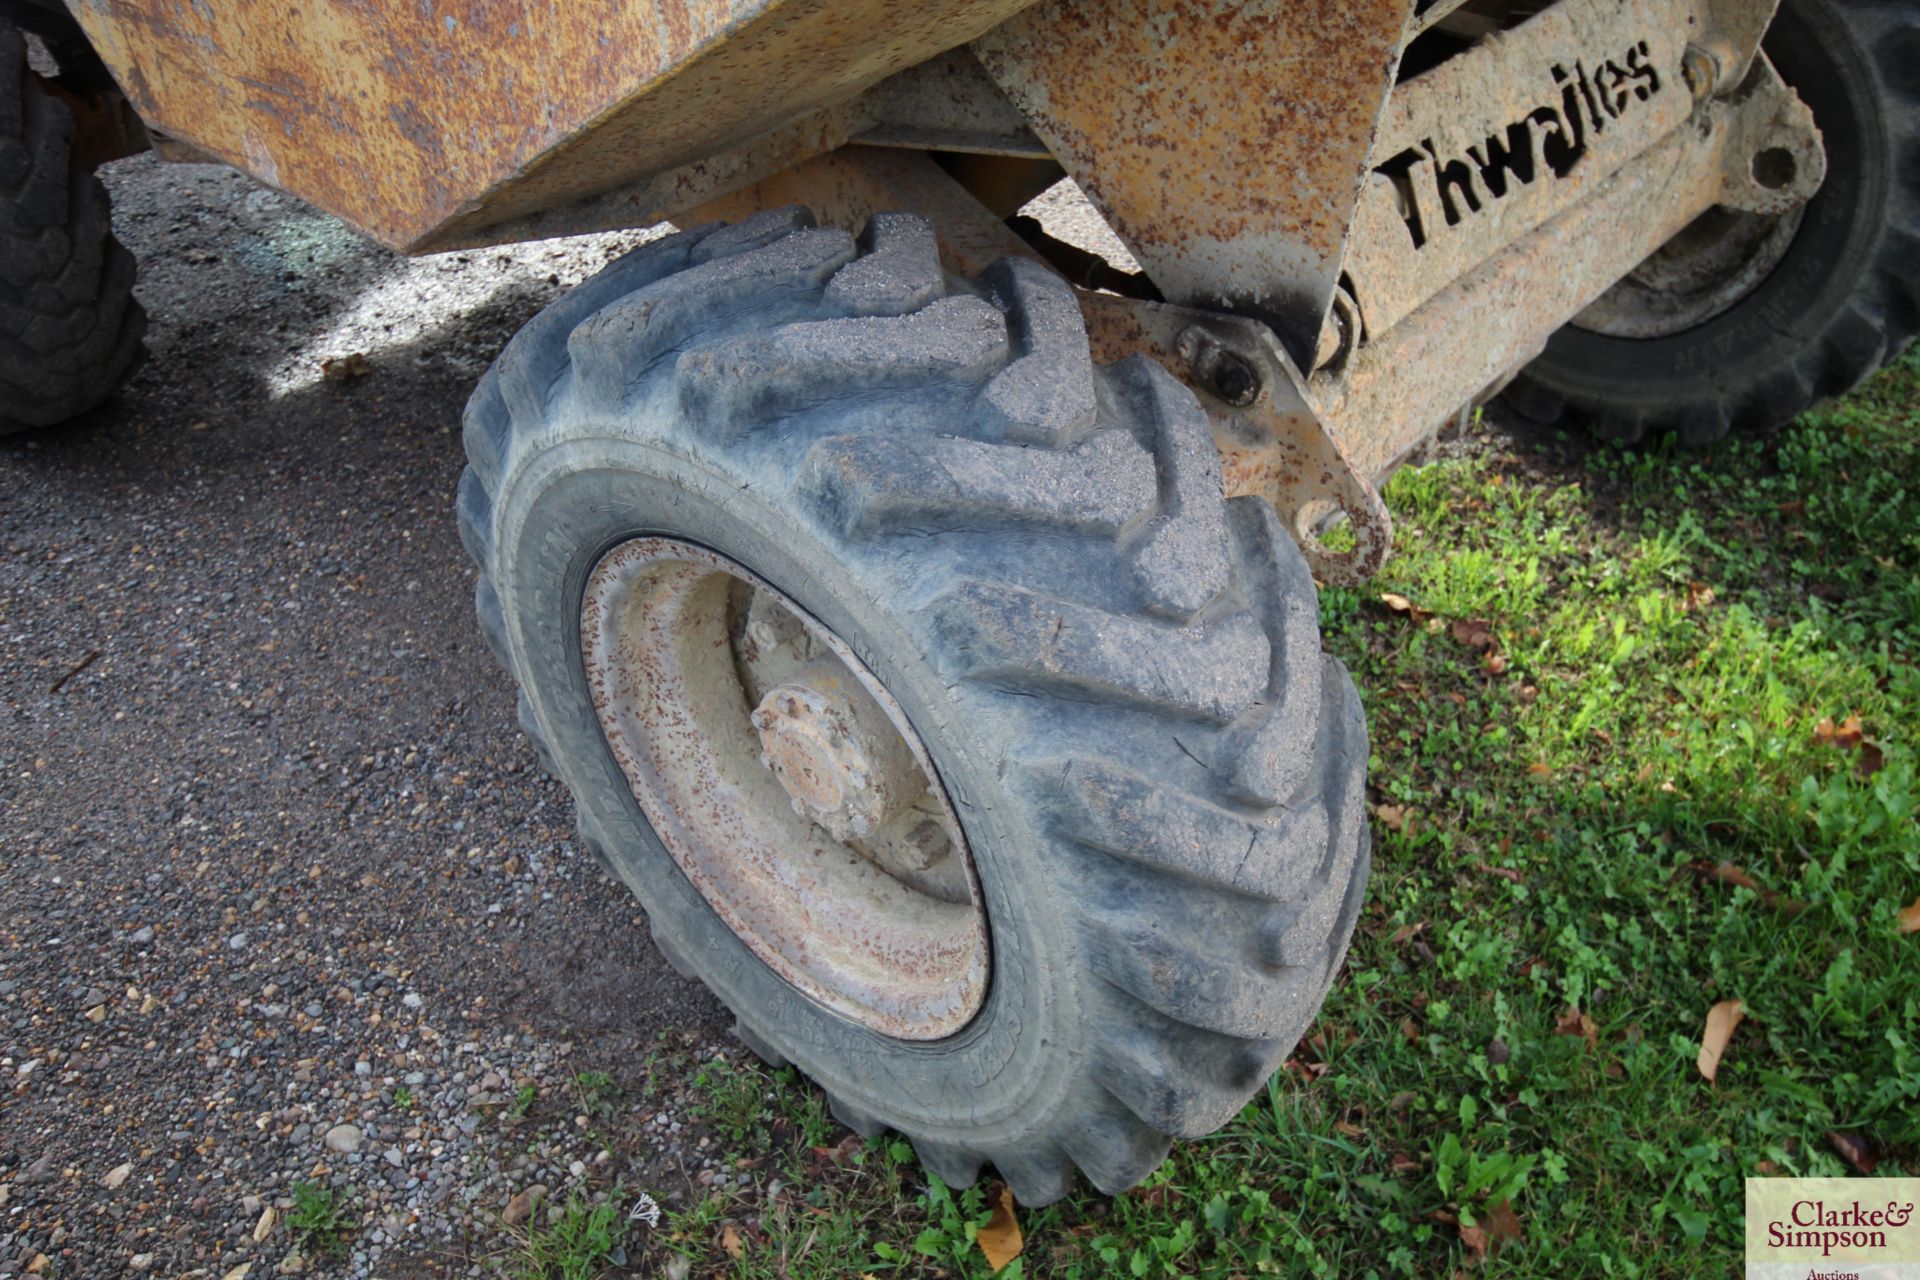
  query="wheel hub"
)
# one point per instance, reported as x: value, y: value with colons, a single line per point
x: 835, y: 752
x: 788, y: 785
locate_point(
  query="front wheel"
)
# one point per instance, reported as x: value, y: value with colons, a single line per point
x: 916, y: 675
x: 1743, y: 321
x: 70, y: 328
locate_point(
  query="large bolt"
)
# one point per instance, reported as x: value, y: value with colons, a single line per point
x: 843, y: 764
x: 1226, y: 374
x: 1704, y: 65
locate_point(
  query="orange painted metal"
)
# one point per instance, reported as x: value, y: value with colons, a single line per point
x: 1226, y: 140
x: 423, y: 123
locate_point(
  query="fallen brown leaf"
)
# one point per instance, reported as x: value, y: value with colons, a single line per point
x: 1403, y: 1163
x: 841, y: 1151
x: 1909, y: 918
x: 1728, y: 874
x: 730, y: 1241
x: 1495, y: 664
x: 1871, y: 759
x: 1846, y: 735
x: 1539, y: 770
x: 1572, y: 1022
x: 1721, y: 1020
x: 346, y: 368
x: 1400, y: 604
x: 1394, y: 817
x: 1505, y: 873
x: 1856, y: 1150
x: 1158, y: 1196
x: 1474, y: 1239
x: 1849, y: 736
x: 1000, y: 1240
x: 1502, y: 1226
x: 1407, y: 933
x: 1497, y: 1052
x: 1473, y: 632
x: 523, y: 1204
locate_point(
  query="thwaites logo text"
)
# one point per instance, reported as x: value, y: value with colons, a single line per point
x: 1550, y: 139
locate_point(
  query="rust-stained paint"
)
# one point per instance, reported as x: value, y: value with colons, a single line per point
x: 867, y: 903
x: 672, y: 193
x: 1225, y: 140
x: 846, y: 187
x: 1314, y: 445
x: 1396, y: 388
x: 422, y: 123
x: 1487, y: 146
x: 1276, y: 446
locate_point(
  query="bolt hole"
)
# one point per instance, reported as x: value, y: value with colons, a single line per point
x: 1774, y: 168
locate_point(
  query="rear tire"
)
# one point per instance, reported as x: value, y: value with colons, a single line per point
x: 69, y: 326
x: 1844, y: 298
x: 1116, y: 671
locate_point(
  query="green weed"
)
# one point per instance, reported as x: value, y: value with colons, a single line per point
x: 318, y: 1220
x: 578, y: 1244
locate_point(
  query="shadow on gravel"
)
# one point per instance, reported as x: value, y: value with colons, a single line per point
x: 257, y: 768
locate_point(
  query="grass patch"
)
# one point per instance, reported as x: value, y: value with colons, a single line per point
x: 578, y: 1243
x: 318, y: 1219
x: 736, y: 1102
x: 1671, y: 764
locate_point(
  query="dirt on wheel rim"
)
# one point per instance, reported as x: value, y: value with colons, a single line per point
x: 787, y: 785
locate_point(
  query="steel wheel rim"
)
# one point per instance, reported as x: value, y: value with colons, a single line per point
x: 1711, y: 266
x: 788, y: 786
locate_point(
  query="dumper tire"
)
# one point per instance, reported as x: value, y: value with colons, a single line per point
x: 1843, y: 300
x: 1116, y: 670
x: 70, y: 328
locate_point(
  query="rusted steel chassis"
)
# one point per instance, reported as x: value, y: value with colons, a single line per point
x: 1347, y: 261
x: 1347, y: 253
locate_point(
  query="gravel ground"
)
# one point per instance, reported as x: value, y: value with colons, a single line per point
x: 283, y: 895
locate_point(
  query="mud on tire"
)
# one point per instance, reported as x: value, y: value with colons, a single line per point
x: 1117, y: 672
x: 69, y: 326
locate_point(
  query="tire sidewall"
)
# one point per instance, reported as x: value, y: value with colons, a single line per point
x: 987, y: 1083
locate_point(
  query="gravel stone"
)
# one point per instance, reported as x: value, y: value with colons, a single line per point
x: 344, y: 1138
x: 261, y: 831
